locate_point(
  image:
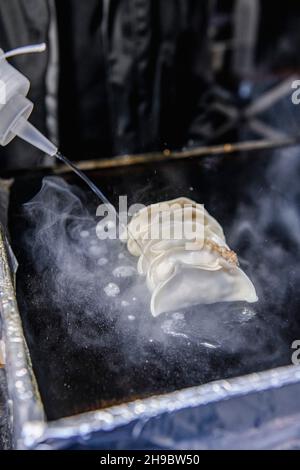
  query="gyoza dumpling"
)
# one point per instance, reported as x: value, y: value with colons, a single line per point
x: 146, y: 221
x: 184, y: 255
x: 164, y: 265
x: 190, y: 285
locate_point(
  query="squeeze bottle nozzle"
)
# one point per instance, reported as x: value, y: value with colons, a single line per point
x: 15, y: 107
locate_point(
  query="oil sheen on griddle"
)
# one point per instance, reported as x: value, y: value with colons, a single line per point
x: 85, y: 311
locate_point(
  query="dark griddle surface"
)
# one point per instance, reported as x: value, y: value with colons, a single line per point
x: 75, y: 376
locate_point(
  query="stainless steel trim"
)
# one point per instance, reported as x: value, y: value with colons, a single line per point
x: 138, y: 159
x: 26, y: 406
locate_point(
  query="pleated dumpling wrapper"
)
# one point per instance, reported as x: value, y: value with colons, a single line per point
x: 183, y: 253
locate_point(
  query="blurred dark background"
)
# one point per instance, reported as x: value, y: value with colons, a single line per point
x: 140, y: 75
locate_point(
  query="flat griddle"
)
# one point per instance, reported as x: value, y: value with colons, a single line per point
x: 74, y: 376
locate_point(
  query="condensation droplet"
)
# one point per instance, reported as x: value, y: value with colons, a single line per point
x: 178, y: 316
x: 112, y: 290
x: 169, y: 328
x: 124, y: 271
x: 102, y: 261
x: 209, y: 345
x: 95, y: 250
x: 84, y: 233
x: 246, y: 315
x: 131, y: 317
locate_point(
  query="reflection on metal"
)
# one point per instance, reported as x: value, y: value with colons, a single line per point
x: 2, y: 354
x: 27, y: 408
x: 191, y: 398
x: 128, y: 160
x: 246, y: 24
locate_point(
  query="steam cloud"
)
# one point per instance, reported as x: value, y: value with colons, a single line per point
x: 95, y: 288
